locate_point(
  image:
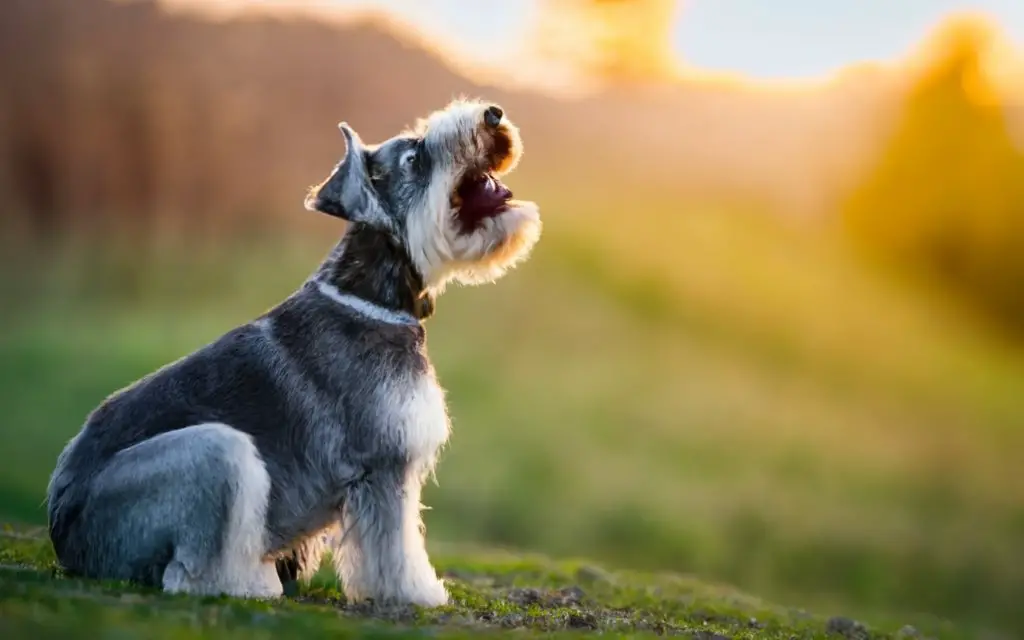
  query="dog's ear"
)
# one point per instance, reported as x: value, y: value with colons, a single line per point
x: 348, y: 193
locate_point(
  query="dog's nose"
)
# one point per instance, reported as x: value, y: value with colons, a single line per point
x: 493, y: 116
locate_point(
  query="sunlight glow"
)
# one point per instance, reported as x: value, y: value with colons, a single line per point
x: 560, y: 44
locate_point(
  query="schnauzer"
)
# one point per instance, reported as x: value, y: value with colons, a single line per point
x: 220, y: 472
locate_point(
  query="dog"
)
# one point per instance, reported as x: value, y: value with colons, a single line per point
x: 226, y: 470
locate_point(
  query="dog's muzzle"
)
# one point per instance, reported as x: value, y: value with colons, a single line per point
x: 480, y: 195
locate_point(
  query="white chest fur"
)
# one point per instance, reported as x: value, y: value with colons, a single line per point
x: 418, y: 417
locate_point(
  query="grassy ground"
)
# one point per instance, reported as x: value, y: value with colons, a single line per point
x: 710, y: 394
x: 491, y: 592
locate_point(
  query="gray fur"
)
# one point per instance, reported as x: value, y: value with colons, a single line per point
x: 229, y: 468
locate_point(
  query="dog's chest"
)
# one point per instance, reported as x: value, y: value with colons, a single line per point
x: 416, y: 416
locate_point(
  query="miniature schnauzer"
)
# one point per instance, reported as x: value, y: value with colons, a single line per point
x: 220, y: 472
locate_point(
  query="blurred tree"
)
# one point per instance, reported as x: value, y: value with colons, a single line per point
x: 946, y: 198
x: 614, y: 40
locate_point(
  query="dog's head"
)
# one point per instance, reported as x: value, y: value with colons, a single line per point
x: 436, y: 190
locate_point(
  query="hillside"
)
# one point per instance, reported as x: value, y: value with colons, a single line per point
x: 713, y: 411
x: 111, y: 108
x: 492, y: 593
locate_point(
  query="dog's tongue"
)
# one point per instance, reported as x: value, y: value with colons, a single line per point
x: 483, y: 196
x: 496, y: 188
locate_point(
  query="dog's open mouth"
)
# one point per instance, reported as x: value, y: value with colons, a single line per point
x: 479, y: 196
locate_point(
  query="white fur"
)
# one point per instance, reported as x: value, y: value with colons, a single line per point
x: 364, y: 307
x: 420, y: 417
x: 242, y: 570
x: 425, y: 427
x: 400, y: 571
x: 421, y: 424
x: 422, y: 584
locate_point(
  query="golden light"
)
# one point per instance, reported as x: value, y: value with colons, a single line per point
x: 617, y: 40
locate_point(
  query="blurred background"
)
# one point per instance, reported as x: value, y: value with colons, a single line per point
x: 773, y: 335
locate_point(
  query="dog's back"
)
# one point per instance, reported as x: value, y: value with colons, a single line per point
x: 226, y: 381
x: 295, y: 381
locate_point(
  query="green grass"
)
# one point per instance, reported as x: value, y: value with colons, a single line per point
x: 491, y: 592
x: 718, y: 395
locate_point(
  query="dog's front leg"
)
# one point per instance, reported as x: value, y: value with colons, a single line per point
x: 382, y: 555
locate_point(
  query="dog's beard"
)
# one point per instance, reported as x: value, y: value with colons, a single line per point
x: 500, y: 242
x: 495, y: 236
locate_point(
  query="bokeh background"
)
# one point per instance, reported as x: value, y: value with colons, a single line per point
x: 773, y: 335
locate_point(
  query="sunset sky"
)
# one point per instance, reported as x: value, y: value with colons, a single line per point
x: 797, y: 39
x: 809, y: 38
x: 778, y: 39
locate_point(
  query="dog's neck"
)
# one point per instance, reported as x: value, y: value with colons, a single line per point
x: 370, y: 269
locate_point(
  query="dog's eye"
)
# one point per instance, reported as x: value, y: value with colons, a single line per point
x: 408, y: 158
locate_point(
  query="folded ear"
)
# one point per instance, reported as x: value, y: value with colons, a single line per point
x: 347, y: 193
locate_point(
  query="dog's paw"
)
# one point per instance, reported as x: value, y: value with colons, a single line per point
x: 265, y: 584
x: 431, y: 594
x: 177, y: 580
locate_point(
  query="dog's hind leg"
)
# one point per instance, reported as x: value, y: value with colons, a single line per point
x: 382, y: 555
x: 185, y: 510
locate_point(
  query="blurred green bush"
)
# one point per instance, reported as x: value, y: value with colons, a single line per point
x: 946, y: 199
